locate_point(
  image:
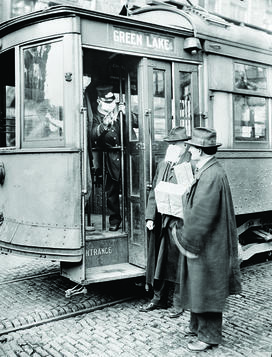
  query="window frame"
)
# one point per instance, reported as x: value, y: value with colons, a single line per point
x: 40, y: 142
x: 248, y: 93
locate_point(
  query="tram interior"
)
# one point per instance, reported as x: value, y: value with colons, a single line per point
x: 120, y: 72
x: 7, y: 95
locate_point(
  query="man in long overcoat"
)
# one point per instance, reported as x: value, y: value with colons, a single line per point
x: 210, y: 270
x: 162, y: 253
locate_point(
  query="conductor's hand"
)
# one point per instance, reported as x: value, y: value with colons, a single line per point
x: 149, y: 224
x: 107, y: 121
x: 121, y: 108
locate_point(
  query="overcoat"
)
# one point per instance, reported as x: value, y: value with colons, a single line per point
x: 210, y: 232
x: 162, y: 254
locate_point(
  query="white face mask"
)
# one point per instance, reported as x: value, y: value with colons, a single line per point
x: 173, y: 153
x: 107, y: 107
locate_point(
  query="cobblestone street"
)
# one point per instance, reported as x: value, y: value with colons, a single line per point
x: 120, y: 329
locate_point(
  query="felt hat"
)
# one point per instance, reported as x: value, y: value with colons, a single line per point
x: 203, y: 138
x: 177, y: 134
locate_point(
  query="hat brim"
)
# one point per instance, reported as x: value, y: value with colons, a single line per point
x: 192, y: 143
x: 174, y: 139
x: 107, y: 100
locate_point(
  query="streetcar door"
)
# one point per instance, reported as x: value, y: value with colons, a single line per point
x: 167, y: 97
x: 154, y: 96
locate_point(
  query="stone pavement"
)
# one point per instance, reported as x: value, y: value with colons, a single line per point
x: 121, y: 330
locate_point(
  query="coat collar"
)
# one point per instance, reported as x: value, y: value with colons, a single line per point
x: 205, y: 167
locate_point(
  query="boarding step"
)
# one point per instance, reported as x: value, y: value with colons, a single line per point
x: 113, y: 272
x: 106, y: 248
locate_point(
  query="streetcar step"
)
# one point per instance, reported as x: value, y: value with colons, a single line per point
x: 113, y: 272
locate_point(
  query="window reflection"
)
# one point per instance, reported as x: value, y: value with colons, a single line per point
x: 159, y: 104
x: 134, y: 175
x: 134, y: 102
x: 43, y: 99
x: 136, y: 228
x: 185, y: 101
x: 10, y: 116
x: 250, y: 115
x: 7, y: 99
x: 250, y: 77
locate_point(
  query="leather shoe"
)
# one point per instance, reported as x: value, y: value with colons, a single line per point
x: 188, y: 332
x: 175, y: 314
x: 199, y: 346
x: 114, y: 227
x: 150, y: 307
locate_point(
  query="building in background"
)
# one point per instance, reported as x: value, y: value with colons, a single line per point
x: 257, y: 13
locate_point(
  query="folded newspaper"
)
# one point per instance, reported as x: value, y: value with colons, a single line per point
x: 169, y: 195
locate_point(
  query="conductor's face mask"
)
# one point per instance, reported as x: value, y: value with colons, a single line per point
x: 173, y: 153
x: 107, y: 106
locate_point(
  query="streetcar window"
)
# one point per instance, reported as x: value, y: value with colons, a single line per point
x: 7, y: 99
x: 250, y: 118
x: 43, y: 94
x: 159, y: 103
x: 249, y: 77
x: 250, y: 111
x: 185, y: 102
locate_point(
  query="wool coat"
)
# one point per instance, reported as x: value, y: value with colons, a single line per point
x: 210, y: 232
x: 162, y: 253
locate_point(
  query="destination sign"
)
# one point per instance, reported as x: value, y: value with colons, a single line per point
x: 142, y: 40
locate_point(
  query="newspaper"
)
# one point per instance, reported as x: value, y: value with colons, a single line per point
x: 184, y: 174
x: 169, y: 195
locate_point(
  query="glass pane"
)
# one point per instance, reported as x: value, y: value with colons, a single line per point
x: 250, y: 77
x: 134, y: 100
x: 43, y: 96
x: 185, y: 101
x: 136, y: 225
x: 7, y: 100
x: 10, y: 116
x: 250, y: 118
x: 159, y: 104
x: 134, y: 175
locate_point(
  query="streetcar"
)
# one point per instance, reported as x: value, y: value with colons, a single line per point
x: 168, y: 64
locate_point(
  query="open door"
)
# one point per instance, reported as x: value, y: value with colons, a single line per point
x: 167, y: 96
x: 154, y: 121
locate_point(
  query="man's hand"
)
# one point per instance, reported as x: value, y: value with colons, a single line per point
x: 121, y: 108
x: 150, y: 225
x: 107, y: 121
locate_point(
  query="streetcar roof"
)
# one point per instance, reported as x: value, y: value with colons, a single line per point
x: 205, y: 25
x: 189, y: 22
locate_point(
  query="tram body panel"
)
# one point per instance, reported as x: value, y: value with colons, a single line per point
x: 250, y: 180
x: 45, y: 29
x: 41, y: 207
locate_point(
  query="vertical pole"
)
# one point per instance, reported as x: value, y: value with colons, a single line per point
x: 122, y: 155
x: 104, y: 199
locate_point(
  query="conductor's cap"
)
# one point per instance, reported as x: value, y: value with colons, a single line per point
x: 104, y: 92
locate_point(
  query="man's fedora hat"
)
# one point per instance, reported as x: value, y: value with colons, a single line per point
x: 104, y: 92
x: 203, y: 138
x: 177, y: 134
